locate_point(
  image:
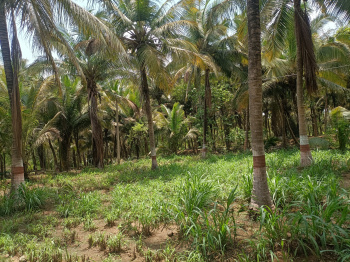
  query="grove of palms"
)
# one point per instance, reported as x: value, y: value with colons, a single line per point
x: 138, y: 80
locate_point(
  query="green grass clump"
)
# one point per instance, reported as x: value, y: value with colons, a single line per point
x: 80, y: 205
x: 24, y: 199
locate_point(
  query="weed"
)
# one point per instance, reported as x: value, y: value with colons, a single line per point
x: 212, y: 232
x: 111, y: 217
x: 274, y: 226
x: 85, y: 204
x: 39, y: 230
x: 98, y: 239
x: 23, y: 199
x: 115, y: 243
x: 89, y: 224
x: 318, y: 225
x: 194, y: 193
x: 69, y: 236
x: 71, y: 222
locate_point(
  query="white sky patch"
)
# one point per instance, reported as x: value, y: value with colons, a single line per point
x: 27, y: 51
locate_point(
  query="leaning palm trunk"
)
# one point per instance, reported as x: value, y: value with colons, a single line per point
x: 54, y: 155
x: 147, y: 106
x: 305, y: 58
x: 11, y: 69
x: 95, y: 126
x: 260, y: 195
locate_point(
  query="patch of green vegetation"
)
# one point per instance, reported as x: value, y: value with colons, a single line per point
x: 202, y: 198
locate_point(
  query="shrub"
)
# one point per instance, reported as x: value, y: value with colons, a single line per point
x: 23, y: 199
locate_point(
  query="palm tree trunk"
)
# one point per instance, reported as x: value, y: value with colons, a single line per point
x: 17, y: 168
x: 207, y: 100
x: 41, y: 155
x: 2, y: 173
x: 54, y: 155
x: 34, y: 161
x: 260, y: 194
x: 305, y: 152
x: 76, y: 140
x: 314, y: 119
x: 96, y: 128
x: 283, y: 119
x: 64, y: 153
x: 117, y: 131
x: 74, y: 159
x: 325, y: 112
x: 148, y: 110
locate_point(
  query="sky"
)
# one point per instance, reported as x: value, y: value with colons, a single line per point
x: 27, y: 52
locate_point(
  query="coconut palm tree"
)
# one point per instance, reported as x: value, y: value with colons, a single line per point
x: 175, y: 125
x: 306, y: 66
x: 39, y: 18
x: 5, y: 123
x: 146, y: 29
x: 69, y: 112
x: 209, y: 34
x: 260, y: 195
x: 118, y: 99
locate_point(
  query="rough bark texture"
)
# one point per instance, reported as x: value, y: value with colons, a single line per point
x: 148, y: 110
x: 305, y: 152
x: 96, y: 128
x: 260, y: 194
x: 17, y: 168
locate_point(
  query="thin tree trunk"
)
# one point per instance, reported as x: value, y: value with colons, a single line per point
x: 325, y: 112
x: 246, y: 133
x: 84, y: 160
x: 283, y: 118
x: 305, y: 152
x: 2, y: 176
x: 314, y: 118
x: 41, y: 155
x: 74, y: 159
x: 148, y: 110
x: 76, y: 141
x: 115, y: 146
x: 4, y: 157
x: 95, y: 125
x: 34, y: 161
x: 106, y: 144
x: 117, y: 130
x: 260, y: 194
x: 11, y: 67
x: 226, y: 130
x: 54, y: 155
x: 207, y: 98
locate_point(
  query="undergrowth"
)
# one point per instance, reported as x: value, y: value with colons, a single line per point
x: 206, y: 200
